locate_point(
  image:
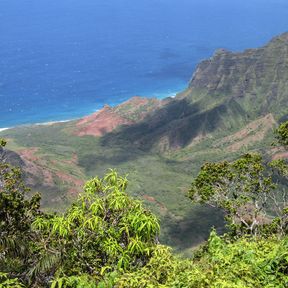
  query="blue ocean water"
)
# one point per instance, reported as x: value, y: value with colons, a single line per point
x: 62, y: 59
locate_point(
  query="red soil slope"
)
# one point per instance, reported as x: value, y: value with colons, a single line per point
x: 110, y: 118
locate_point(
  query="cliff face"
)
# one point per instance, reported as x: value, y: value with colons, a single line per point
x: 259, y: 75
x: 226, y: 92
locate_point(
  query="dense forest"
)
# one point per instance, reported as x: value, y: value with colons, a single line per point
x: 108, y: 239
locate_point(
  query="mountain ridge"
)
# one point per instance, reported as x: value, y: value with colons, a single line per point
x: 216, y: 89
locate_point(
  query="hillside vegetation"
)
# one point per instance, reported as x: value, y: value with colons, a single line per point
x: 108, y: 239
x: 230, y: 107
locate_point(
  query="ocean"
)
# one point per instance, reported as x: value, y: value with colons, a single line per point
x: 62, y: 59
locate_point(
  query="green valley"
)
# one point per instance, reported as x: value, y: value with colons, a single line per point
x: 231, y: 106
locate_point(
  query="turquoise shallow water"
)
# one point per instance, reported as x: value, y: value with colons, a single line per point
x: 62, y: 59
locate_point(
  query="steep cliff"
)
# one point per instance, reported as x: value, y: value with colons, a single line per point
x: 226, y: 92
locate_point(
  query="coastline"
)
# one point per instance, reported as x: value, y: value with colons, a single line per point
x: 158, y: 96
x: 37, y: 124
x: 50, y: 122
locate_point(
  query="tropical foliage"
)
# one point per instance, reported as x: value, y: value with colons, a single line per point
x: 246, y: 191
x: 16, y: 217
x: 108, y: 239
x: 282, y: 134
x: 104, y: 231
x: 221, y: 263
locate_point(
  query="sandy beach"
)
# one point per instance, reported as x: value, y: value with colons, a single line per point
x: 37, y: 124
x: 2, y: 129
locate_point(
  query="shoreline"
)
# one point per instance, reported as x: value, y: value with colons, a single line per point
x: 37, y: 124
x: 48, y: 123
x: 3, y: 129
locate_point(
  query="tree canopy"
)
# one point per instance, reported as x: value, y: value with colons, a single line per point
x: 246, y: 190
